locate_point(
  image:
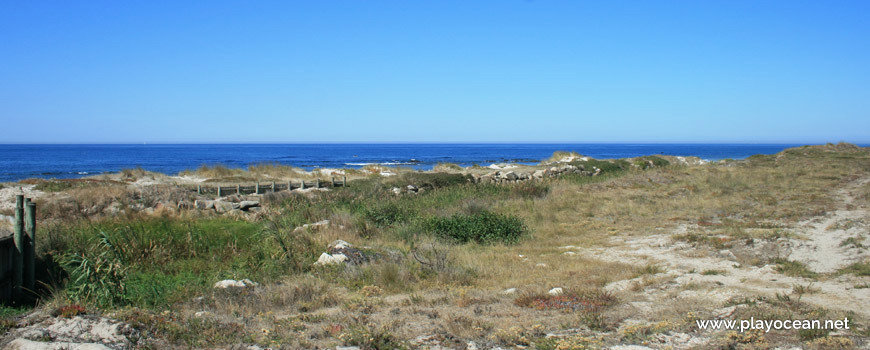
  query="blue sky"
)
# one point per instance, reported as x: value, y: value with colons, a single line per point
x: 434, y: 71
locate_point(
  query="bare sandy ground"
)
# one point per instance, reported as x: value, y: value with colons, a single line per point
x: 817, y: 245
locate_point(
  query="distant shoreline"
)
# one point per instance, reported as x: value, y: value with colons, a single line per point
x: 63, y: 161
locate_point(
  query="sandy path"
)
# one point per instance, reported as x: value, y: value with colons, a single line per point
x: 821, y: 251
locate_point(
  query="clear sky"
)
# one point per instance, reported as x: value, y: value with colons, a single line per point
x: 434, y: 71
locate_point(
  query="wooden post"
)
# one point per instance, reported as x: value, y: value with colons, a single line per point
x: 317, y: 185
x: 333, y: 181
x: 219, y: 190
x: 238, y: 188
x: 273, y: 187
x: 344, y: 183
x: 30, y: 247
x: 198, y: 189
x: 18, y: 252
x: 257, y: 189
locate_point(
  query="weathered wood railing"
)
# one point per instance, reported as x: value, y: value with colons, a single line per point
x: 260, y: 188
x: 18, y: 253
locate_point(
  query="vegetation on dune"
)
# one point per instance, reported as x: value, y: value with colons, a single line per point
x: 483, y: 227
x: 443, y: 251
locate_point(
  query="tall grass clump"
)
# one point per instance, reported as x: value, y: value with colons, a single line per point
x: 157, y: 262
x: 484, y: 227
x: 97, y: 276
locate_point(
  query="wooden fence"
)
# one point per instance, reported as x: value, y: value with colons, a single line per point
x: 18, y: 254
x: 260, y: 188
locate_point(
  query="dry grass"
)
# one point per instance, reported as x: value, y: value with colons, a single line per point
x: 397, y: 298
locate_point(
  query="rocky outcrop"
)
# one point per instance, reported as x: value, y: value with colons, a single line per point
x: 221, y: 206
x: 500, y: 176
x: 341, y: 252
x: 79, y: 332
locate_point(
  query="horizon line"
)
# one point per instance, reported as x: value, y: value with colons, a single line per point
x: 438, y: 143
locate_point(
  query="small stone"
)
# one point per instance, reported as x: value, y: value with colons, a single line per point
x: 235, y: 284
x: 508, y: 291
x: 556, y: 291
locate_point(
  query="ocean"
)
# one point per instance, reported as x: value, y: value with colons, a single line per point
x: 71, y: 161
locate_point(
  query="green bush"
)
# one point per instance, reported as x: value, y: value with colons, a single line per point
x: 388, y: 214
x: 433, y: 180
x: 644, y: 162
x: 605, y: 166
x: 484, y: 227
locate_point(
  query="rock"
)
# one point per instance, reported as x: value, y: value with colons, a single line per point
x: 223, y: 207
x: 539, y: 174
x: 510, y: 176
x: 629, y: 347
x: 542, y: 265
x: 200, y: 314
x: 245, y: 205
x: 112, y: 209
x: 330, y: 259
x: 412, y: 188
x: 347, y: 348
x: 508, y: 291
x: 203, y: 204
x: 312, y: 226
x: 351, y: 255
x: 79, y: 332
x: 524, y: 176
x: 396, y: 190
x: 24, y: 344
x: 339, y: 244
x: 556, y: 291
x: 235, y: 284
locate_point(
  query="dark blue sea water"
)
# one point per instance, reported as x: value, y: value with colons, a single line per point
x: 69, y: 161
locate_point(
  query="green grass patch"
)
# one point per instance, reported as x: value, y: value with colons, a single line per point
x: 857, y: 269
x: 793, y: 268
x: 155, y: 263
x: 484, y: 227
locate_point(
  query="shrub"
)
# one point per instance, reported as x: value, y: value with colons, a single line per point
x: 433, y: 180
x: 97, y: 276
x: 605, y: 166
x: 484, y: 227
x: 388, y: 214
x: 645, y: 161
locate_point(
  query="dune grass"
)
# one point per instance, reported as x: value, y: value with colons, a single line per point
x: 170, y: 263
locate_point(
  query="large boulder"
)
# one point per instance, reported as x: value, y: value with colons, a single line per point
x: 330, y: 259
x: 79, y: 332
x: 223, y: 207
x: 510, y: 176
x: 245, y: 205
x: 203, y: 204
x: 339, y: 252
